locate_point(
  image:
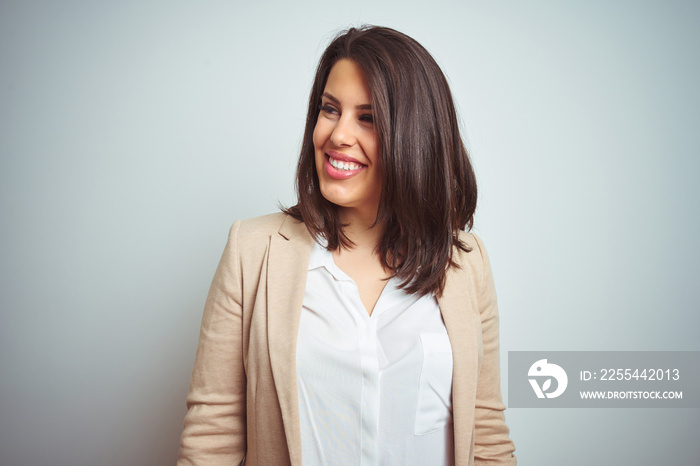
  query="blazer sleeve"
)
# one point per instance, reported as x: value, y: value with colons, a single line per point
x: 492, y: 445
x: 214, y: 430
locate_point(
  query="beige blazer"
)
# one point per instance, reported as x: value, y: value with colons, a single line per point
x: 242, y: 402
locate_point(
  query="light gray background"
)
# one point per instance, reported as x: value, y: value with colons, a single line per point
x: 132, y: 134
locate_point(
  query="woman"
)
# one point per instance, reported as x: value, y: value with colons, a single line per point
x: 360, y: 325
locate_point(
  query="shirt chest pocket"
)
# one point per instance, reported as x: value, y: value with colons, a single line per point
x: 434, y: 406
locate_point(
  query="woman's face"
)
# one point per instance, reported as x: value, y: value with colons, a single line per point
x: 345, y: 140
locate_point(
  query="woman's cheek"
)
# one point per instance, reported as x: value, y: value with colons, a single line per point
x: 318, y: 132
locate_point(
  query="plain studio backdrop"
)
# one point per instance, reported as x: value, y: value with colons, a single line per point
x: 133, y: 134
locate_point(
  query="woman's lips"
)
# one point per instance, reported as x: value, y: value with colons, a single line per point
x: 340, y: 169
x: 343, y: 157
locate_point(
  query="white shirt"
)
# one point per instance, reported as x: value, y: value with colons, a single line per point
x: 373, y: 390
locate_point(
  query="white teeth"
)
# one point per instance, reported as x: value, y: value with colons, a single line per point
x: 344, y: 166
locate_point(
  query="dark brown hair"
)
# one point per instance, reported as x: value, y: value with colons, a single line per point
x: 428, y: 184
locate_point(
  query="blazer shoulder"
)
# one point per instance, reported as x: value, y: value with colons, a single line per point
x: 256, y: 231
x: 477, y: 251
x: 265, y: 225
x: 476, y: 260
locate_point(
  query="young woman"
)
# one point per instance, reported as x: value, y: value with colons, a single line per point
x: 359, y: 326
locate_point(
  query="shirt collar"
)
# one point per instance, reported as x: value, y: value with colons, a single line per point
x: 322, y: 257
x: 319, y: 254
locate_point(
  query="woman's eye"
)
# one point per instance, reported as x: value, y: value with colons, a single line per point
x: 367, y: 118
x: 328, y: 109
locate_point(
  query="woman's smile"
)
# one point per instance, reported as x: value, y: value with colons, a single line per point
x: 342, y: 166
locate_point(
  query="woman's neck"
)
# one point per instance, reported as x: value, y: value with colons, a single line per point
x: 360, y: 228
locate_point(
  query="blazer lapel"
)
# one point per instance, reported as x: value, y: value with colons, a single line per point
x: 287, y: 269
x: 457, y: 308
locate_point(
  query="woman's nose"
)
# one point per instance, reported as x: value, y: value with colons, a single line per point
x: 344, y: 132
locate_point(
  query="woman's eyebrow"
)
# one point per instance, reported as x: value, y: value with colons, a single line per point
x: 329, y: 96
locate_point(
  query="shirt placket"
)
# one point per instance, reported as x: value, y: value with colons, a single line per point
x: 369, y: 405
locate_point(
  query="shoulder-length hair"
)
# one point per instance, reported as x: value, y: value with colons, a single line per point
x: 428, y: 186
